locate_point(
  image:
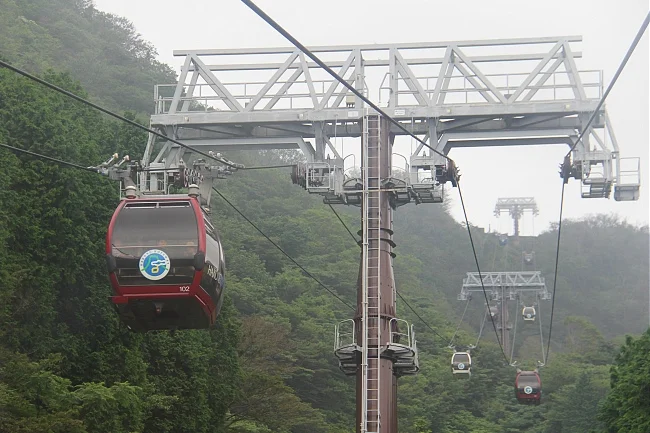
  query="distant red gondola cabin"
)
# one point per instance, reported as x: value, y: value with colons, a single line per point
x: 165, y: 263
x: 528, y: 387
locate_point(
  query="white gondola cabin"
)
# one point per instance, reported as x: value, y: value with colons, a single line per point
x: 461, y: 364
x: 529, y: 314
x: 529, y: 258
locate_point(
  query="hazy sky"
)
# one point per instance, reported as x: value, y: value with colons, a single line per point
x: 607, y: 28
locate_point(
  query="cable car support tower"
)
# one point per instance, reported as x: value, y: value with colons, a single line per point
x: 509, y: 285
x: 516, y: 206
x: 446, y: 92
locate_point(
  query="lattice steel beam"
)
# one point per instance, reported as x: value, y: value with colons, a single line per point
x: 513, y: 282
x: 501, y: 92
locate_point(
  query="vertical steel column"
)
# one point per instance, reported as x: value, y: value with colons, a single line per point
x: 505, y: 330
x: 516, y: 217
x: 376, y: 384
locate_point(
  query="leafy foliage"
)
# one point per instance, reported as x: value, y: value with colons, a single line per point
x: 103, y: 51
x: 627, y: 407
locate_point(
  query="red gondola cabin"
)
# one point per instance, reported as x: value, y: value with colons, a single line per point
x: 166, y: 264
x: 528, y: 387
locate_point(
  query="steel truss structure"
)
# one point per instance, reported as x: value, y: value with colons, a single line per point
x: 503, y: 287
x: 514, y: 283
x: 453, y: 94
x: 516, y: 206
x: 509, y: 92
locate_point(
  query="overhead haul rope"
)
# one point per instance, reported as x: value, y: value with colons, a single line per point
x: 567, y: 165
x: 48, y: 158
x: 514, y: 336
x: 396, y: 291
x: 541, y: 334
x: 131, y: 122
x: 342, y: 222
x: 480, y: 332
x: 359, y: 95
x: 460, y: 322
x: 309, y: 274
x: 534, y: 242
x: 420, y: 317
x: 207, y: 155
x: 280, y: 249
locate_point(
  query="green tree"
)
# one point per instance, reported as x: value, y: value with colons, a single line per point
x: 627, y: 407
x: 574, y: 408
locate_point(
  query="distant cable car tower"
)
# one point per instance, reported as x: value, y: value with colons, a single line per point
x: 516, y: 206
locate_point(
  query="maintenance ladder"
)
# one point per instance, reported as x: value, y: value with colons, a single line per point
x: 371, y: 421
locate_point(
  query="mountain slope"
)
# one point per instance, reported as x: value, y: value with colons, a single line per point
x: 103, y: 51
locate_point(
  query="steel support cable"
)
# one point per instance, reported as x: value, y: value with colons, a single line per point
x: 396, y: 291
x: 130, y: 122
x: 320, y: 63
x: 557, y: 258
x: 270, y: 21
x: 49, y: 158
x: 480, y: 331
x: 565, y: 173
x: 309, y: 274
x: 514, y: 336
x: 460, y: 322
x: 630, y: 50
x: 541, y: 335
x: 534, y: 243
x: 478, y: 267
x: 419, y: 317
x: 344, y: 224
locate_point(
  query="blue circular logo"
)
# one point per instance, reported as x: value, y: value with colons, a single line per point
x: 528, y: 390
x: 154, y: 265
x: 461, y: 366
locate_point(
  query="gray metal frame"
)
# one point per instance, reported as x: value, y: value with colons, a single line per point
x: 449, y: 93
x: 515, y: 284
x: 516, y: 206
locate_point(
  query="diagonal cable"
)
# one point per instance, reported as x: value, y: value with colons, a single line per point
x: 337, y: 77
x: 129, y: 121
x: 630, y: 50
x: 419, y: 317
x: 471, y: 240
x: 281, y: 250
x: 396, y: 291
x: 48, y: 158
x: 340, y: 79
x: 460, y: 322
x: 344, y: 224
x: 566, y: 168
